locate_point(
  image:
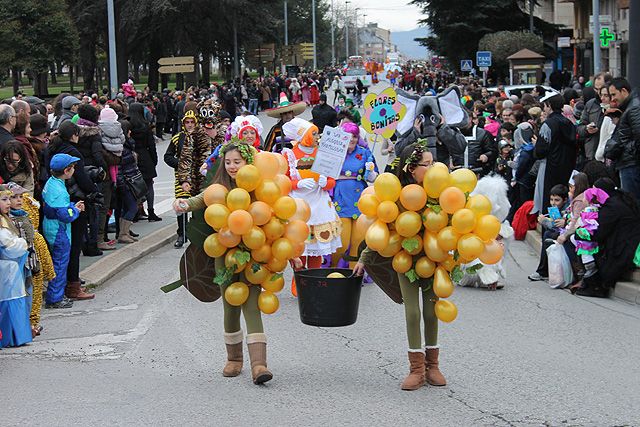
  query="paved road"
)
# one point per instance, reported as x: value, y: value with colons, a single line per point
x: 526, y: 355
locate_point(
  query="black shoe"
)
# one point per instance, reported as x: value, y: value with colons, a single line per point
x: 63, y: 303
x: 179, y: 242
x: 153, y: 217
x: 133, y: 234
x: 92, y: 251
x: 596, y: 292
x: 83, y: 282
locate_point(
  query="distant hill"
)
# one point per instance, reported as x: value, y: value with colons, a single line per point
x: 409, y: 47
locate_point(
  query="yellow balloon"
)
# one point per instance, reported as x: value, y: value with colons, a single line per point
x: 413, y: 197
x: 369, y: 190
x: 303, y: 211
x: 487, y: 227
x: 268, y: 192
x: 230, y: 261
x: 215, y: 193
x: 431, y: 248
x: 377, y: 236
x: 216, y: 215
x: 440, y: 165
x: 256, y: 273
x: 470, y: 246
x: 262, y: 254
x: 283, y: 165
x: 284, y: 183
x: 267, y: 163
x: 425, y: 267
x: 238, y: 199
x: 276, y: 265
x: 261, y: 212
x: 273, y: 284
x: 408, y: 223
x: 433, y: 221
x: 452, y: 199
x: 446, y: 311
x: 435, y: 181
x: 448, y: 239
x: 298, y: 249
x: 285, y: 207
x: 236, y: 293
x: 240, y: 222
x: 449, y: 264
x: 464, y: 179
x: 387, y: 211
x: 463, y: 221
x: 479, y: 204
x: 387, y: 187
x: 414, y: 240
x: 248, y: 177
x: 227, y: 238
x: 368, y: 204
x: 254, y: 239
x: 402, y: 262
x: 297, y: 231
x: 363, y: 223
x: 268, y: 303
x: 442, y: 285
x: 273, y: 229
x: 492, y: 254
x: 282, y: 249
x: 213, y: 247
x: 394, y: 246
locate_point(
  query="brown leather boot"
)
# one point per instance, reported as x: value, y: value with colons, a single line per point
x: 257, y: 344
x: 415, y: 379
x: 74, y: 291
x: 434, y: 376
x: 233, y: 341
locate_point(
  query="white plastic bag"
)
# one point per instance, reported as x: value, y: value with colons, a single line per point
x: 560, y: 272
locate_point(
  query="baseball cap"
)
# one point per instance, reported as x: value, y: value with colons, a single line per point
x: 61, y: 161
x: 69, y: 101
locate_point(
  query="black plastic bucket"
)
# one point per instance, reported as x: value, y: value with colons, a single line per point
x: 325, y: 301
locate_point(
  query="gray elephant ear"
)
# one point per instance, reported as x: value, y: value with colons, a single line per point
x: 454, y: 113
x: 410, y: 101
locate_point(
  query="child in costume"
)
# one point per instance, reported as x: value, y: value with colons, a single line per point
x: 232, y: 157
x: 423, y: 362
x: 15, y: 329
x: 324, y: 223
x: 359, y: 168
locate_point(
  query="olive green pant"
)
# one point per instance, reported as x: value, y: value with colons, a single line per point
x: 250, y: 310
x: 410, y: 296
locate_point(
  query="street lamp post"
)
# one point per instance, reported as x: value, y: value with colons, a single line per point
x: 313, y: 22
x: 333, y: 37
x: 364, y: 27
x: 357, y: 44
x: 596, y: 37
x: 346, y: 27
x: 113, y: 65
x: 286, y: 28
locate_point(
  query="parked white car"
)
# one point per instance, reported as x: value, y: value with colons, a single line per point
x: 518, y: 90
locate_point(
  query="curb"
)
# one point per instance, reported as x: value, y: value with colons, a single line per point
x: 101, y: 271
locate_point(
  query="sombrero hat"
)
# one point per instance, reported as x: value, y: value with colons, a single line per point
x: 285, y: 107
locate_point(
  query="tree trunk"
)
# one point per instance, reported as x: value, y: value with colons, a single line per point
x: 88, y: 61
x: 40, y: 84
x: 59, y: 69
x: 71, y: 79
x: 54, y: 78
x: 15, y: 79
x: 206, y: 68
x: 136, y: 72
x: 121, y: 47
x: 155, y: 53
x: 179, y: 81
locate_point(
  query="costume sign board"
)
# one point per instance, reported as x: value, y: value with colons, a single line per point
x: 332, y: 152
x: 383, y: 112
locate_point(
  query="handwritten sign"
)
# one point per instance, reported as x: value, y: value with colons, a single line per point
x: 331, y: 152
x: 382, y: 113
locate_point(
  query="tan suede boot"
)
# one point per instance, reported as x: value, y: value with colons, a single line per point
x: 233, y: 341
x: 434, y: 376
x: 124, y: 237
x: 415, y: 379
x: 257, y: 344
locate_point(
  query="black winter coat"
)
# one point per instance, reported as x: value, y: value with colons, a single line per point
x: 90, y: 146
x: 324, y: 115
x: 145, y: 146
x: 79, y: 175
x: 484, y: 143
x: 622, y: 148
x: 128, y: 166
x: 445, y: 143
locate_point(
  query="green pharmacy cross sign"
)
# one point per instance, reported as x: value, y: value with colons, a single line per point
x: 606, y: 37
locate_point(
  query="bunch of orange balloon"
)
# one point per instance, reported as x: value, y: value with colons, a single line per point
x: 430, y: 230
x: 259, y: 228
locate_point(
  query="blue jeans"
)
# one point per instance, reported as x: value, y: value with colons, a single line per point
x: 630, y: 180
x: 129, y: 205
x: 253, y: 106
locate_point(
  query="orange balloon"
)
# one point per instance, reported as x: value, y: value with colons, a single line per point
x: 284, y: 183
x: 276, y: 265
x: 487, y: 227
x: 285, y: 207
x: 431, y: 248
x: 215, y: 193
x: 442, y: 285
x: 402, y: 262
x: 254, y: 238
x: 377, y: 236
x: 256, y: 273
x: 260, y: 212
x: 248, y: 177
x: 449, y: 264
x: 492, y: 254
x: 452, y: 199
x: 425, y: 267
x: 394, y: 246
x: 413, y: 197
x: 273, y: 284
x: 363, y: 223
x: 387, y: 187
x: 298, y: 249
x: 274, y: 229
x: 282, y: 249
x: 470, y: 246
x: 296, y: 231
x: 267, y: 163
x: 213, y: 247
x: 236, y: 293
x: 268, y: 192
x: 369, y: 190
x: 216, y: 215
x: 303, y: 211
x: 418, y: 241
x: 408, y: 224
x: 368, y: 204
x: 433, y: 221
x: 387, y: 211
x: 446, y: 311
x: 240, y: 222
x: 230, y: 260
x: 227, y: 238
x: 268, y: 303
x: 436, y: 179
x: 283, y: 165
x: 463, y: 221
x: 238, y: 199
x: 479, y: 204
x: 262, y: 254
x: 448, y: 239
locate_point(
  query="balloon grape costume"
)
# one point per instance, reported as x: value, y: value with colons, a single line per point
x: 420, y: 227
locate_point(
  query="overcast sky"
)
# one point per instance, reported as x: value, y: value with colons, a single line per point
x: 395, y: 15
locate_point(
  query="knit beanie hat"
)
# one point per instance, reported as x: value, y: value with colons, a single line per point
x: 108, y: 115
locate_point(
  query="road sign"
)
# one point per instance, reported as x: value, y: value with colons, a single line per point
x: 176, y: 60
x: 305, y: 50
x: 484, y: 69
x: 483, y: 58
x: 564, y: 41
x: 606, y: 37
x: 605, y: 21
x: 466, y: 65
x: 170, y: 69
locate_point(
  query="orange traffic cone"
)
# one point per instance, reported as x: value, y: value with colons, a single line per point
x: 294, y: 291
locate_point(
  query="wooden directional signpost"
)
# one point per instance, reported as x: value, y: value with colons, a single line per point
x: 179, y: 65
